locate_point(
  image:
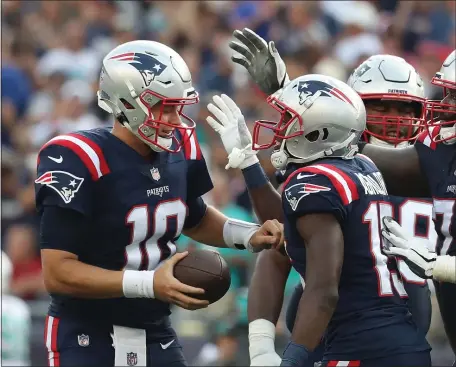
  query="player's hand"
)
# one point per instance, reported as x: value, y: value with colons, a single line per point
x: 414, y: 251
x: 229, y: 123
x: 270, y: 358
x: 262, y: 60
x: 269, y: 235
x: 168, y: 289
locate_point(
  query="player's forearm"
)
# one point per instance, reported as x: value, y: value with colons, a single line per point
x: 266, y: 201
x: 210, y: 229
x: 315, y: 310
x: 216, y: 229
x: 75, y: 278
x: 400, y: 169
x: 267, y: 286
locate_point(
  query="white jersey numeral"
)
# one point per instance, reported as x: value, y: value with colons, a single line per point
x: 444, y: 208
x: 409, y: 212
x: 146, y: 250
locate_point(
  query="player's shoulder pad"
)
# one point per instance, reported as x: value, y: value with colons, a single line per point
x: 190, y: 144
x: 427, y: 137
x: 366, y: 162
x: 323, y: 179
x: 67, y: 152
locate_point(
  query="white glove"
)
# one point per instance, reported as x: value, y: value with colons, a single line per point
x: 262, y: 60
x: 229, y: 123
x: 261, y: 344
x: 414, y: 251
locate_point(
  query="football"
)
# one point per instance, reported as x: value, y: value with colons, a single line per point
x: 205, y: 269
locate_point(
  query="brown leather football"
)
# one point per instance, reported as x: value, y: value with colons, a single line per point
x: 205, y: 269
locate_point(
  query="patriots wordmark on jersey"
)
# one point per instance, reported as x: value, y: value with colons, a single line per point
x: 371, y: 319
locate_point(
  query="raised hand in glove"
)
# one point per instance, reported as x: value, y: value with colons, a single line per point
x: 262, y: 60
x: 229, y: 123
x: 414, y: 251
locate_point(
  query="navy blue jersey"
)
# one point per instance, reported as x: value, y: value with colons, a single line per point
x: 438, y: 164
x: 371, y: 319
x: 137, y: 208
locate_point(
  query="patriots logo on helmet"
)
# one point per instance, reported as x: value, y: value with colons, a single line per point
x: 311, y: 88
x: 64, y: 183
x: 294, y: 194
x: 147, y: 65
x: 363, y: 69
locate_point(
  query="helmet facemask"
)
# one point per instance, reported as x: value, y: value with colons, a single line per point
x: 281, y: 131
x: 443, y: 113
x: 393, y: 130
x: 148, y: 130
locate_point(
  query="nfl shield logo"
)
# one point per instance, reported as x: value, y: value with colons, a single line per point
x: 132, y: 359
x: 155, y: 174
x: 83, y: 340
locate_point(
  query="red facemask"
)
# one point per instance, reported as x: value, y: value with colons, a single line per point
x: 186, y: 129
x: 288, y: 116
x: 442, y: 113
x: 395, y: 128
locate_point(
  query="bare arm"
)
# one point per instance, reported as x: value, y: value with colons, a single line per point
x: 210, y: 229
x: 64, y: 274
x: 267, y: 286
x: 324, y: 243
x: 266, y: 202
x: 400, y: 168
x: 217, y: 230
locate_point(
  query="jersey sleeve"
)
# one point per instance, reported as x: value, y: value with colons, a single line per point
x: 311, y: 190
x: 63, y: 180
x: 196, y: 211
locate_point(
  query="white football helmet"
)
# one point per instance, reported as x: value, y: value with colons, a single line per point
x: 137, y: 75
x: 320, y: 116
x: 443, y: 113
x: 390, y: 78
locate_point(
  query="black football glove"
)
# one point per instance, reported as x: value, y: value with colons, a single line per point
x: 262, y: 60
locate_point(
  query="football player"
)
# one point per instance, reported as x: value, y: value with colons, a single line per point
x: 113, y: 202
x: 394, y: 97
x: 332, y: 202
x: 413, y: 171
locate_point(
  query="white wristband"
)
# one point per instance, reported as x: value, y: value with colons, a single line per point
x: 445, y: 269
x: 138, y: 284
x: 237, y: 234
x: 261, y: 337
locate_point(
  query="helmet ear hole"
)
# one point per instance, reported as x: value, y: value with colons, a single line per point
x: 127, y: 104
x: 325, y: 134
x: 315, y: 135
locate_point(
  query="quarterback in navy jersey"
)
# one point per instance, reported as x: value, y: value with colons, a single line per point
x: 332, y: 211
x: 112, y: 204
x: 395, y: 109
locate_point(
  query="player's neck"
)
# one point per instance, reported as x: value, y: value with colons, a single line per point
x: 132, y: 141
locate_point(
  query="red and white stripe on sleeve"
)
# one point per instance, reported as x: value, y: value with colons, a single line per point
x: 344, y: 184
x: 87, y: 150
